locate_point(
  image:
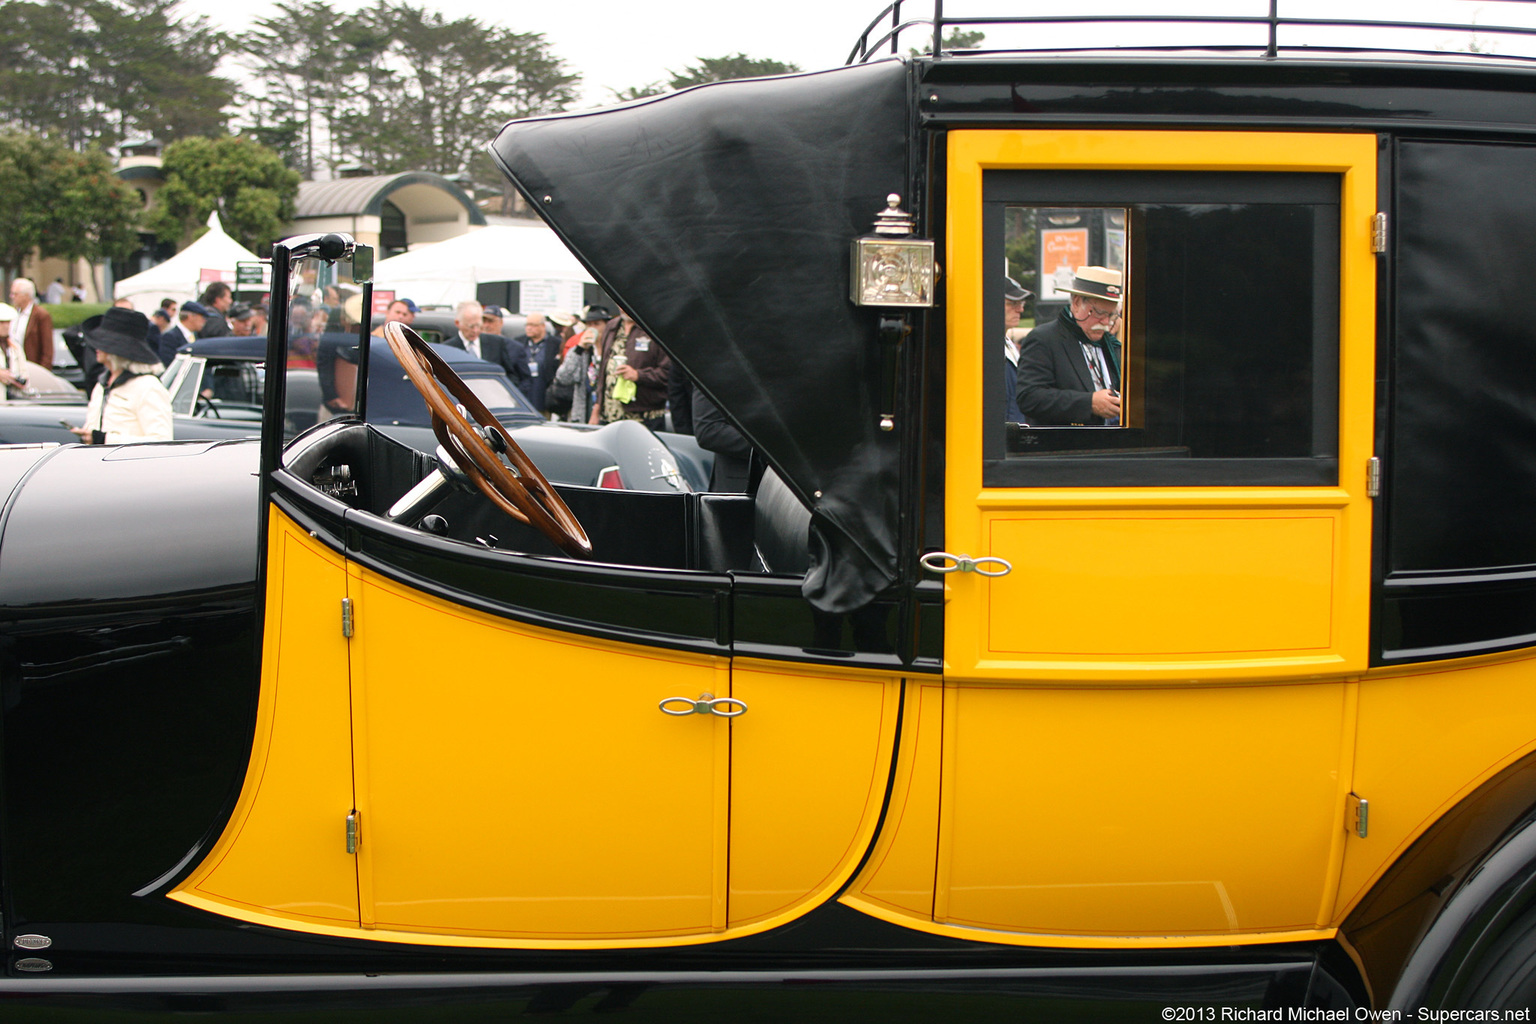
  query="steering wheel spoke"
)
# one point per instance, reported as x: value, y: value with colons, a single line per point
x: 481, y: 446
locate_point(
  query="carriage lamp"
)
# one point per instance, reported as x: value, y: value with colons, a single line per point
x: 890, y: 267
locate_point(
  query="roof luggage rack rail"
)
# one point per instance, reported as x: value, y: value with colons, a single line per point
x: 1265, y: 32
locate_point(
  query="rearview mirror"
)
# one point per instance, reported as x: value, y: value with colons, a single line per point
x: 362, y: 264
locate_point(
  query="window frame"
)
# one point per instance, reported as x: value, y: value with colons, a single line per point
x: 1131, y: 189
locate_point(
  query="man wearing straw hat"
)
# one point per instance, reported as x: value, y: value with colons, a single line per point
x: 1069, y: 369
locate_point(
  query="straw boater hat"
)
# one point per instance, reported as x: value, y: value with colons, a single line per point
x: 120, y: 332
x: 1097, y: 283
x: 561, y: 318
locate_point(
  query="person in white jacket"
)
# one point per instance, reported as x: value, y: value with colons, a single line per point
x: 129, y: 403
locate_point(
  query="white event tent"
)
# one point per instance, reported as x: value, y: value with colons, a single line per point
x: 181, y: 276
x: 445, y: 273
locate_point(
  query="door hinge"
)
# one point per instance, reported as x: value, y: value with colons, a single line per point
x: 346, y: 616
x: 1373, y: 477
x: 1357, y: 817
x: 354, y: 829
x: 1379, y: 233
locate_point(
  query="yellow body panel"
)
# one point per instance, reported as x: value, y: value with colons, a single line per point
x: 897, y: 882
x: 1414, y: 761
x: 520, y: 788
x: 809, y: 765
x: 1139, y: 811
x: 1250, y: 602
x: 521, y: 783
x: 283, y: 852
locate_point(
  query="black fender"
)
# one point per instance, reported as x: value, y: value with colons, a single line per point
x: 129, y: 669
x: 1477, y: 947
x: 1427, y: 933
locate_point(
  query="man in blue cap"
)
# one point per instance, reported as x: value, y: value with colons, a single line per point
x: 1014, y: 297
x: 191, y: 319
x: 402, y: 311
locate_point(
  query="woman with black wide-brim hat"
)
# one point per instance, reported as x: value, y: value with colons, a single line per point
x: 128, y: 403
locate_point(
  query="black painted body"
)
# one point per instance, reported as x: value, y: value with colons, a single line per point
x: 130, y: 613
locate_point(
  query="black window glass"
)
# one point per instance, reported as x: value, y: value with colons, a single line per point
x: 1226, y: 359
x: 1462, y: 461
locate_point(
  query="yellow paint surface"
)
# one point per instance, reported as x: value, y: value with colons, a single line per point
x: 517, y: 782
x: 809, y: 765
x: 284, y: 849
x: 1426, y: 738
x: 1138, y: 812
x: 898, y: 878
x: 1207, y: 583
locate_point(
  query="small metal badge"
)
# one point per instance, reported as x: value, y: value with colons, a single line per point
x: 31, y: 942
x: 34, y: 964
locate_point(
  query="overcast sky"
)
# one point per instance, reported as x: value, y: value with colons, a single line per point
x: 615, y: 44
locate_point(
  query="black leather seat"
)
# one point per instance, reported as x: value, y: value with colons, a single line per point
x: 768, y: 531
x: 781, y: 528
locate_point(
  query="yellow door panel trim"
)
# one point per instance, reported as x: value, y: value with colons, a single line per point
x: 521, y: 783
x: 898, y: 878
x: 810, y: 764
x: 1050, y: 941
x: 1099, y: 498
x: 1271, y: 593
x: 283, y: 853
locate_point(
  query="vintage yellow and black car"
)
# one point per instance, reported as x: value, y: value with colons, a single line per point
x: 1224, y: 700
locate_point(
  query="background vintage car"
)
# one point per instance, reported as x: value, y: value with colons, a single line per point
x: 232, y: 369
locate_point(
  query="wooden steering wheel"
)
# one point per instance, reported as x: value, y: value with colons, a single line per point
x: 521, y: 490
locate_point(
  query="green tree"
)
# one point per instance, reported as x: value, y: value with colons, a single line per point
x: 92, y: 72
x: 292, y: 55
x: 428, y: 92
x: 706, y: 70
x: 638, y: 92
x: 24, y: 162
x: 720, y: 69
x: 954, y: 39
x: 245, y: 181
x: 61, y: 203
x: 154, y: 70
x: 396, y: 86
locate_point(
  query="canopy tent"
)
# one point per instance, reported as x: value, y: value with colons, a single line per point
x: 448, y: 272
x: 181, y: 276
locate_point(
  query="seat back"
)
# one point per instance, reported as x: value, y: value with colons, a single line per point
x: 782, y: 527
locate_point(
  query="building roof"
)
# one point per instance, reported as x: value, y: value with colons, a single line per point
x: 365, y: 196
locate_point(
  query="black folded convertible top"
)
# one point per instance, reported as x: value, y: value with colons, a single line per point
x: 720, y: 217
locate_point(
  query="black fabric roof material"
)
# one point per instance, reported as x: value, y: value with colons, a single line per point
x: 721, y: 218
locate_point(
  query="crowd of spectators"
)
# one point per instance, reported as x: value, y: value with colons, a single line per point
x: 596, y: 367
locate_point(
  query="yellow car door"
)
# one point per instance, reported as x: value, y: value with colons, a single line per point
x: 1149, y: 655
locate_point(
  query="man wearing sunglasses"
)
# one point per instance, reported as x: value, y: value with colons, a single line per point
x: 1069, y: 369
